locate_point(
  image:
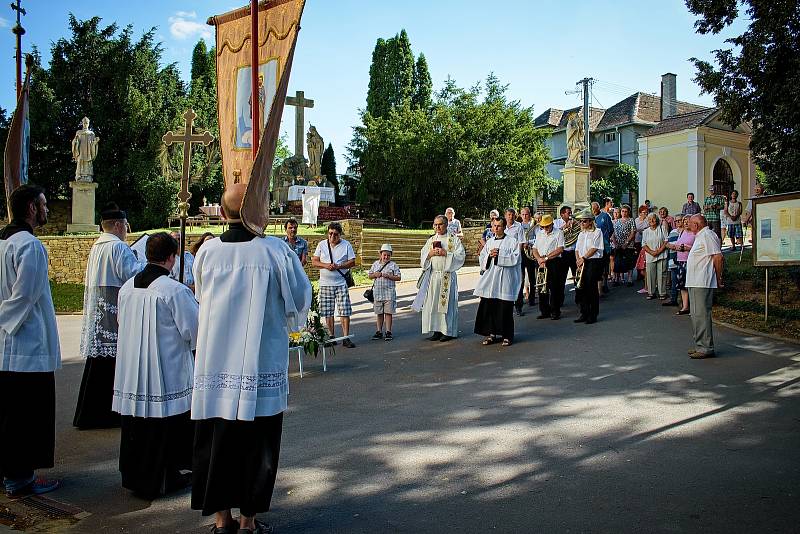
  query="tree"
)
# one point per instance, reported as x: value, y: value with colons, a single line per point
x: 757, y: 79
x: 328, y: 167
x: 377, y: 102
x: 422, y: 84
x: 391, y: 75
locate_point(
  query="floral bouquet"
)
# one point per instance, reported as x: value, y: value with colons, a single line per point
x: 314, y: 334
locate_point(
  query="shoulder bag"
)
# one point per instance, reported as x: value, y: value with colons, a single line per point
x: 369, y: 294
x: 348, y: 276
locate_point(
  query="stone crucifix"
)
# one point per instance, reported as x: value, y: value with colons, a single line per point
x: 300, y: 102
x: 187, y: 137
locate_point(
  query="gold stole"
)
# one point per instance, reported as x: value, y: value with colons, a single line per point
x: 444, y: 294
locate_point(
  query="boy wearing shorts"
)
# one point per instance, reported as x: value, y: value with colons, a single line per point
x: 384, y: 273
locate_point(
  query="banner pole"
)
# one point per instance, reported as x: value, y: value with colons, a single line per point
x: 255, y: 97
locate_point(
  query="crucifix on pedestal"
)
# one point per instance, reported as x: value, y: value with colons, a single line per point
x: 300, y: 103
x: 187, y: 137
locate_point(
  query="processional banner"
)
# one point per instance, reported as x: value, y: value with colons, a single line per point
x: 278, y: 24
x: 15, y: 161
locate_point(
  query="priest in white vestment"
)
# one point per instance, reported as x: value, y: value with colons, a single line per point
x: 441, y: 257
x: 252, y: 292
x: 154, y: 374
x: 111, y: 263
x: 30, y: 349
x: 498, y: 286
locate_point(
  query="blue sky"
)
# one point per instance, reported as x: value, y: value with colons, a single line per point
x: 540, y: 48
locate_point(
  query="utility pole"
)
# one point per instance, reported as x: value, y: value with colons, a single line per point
x: 587, y: 87
x: 19, y: 31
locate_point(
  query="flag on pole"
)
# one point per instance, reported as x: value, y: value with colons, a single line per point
x: 15, y: 158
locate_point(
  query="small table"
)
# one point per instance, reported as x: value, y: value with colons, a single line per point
x: 211, y: 211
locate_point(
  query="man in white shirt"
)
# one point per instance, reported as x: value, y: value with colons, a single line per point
x: 517, y: 231
x: 334, y: 257
x: 30, y: 349
x: 547, y: 253
x: 589, y: 255
x: 154, y: 374
x: 703, y: 274
x: 530, y: 228
x: 252, y: 292
x: 111, y: 263
x: 571, y: 228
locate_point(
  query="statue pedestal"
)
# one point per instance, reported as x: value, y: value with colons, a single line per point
x: 576, y: 186
x: 83, y: 207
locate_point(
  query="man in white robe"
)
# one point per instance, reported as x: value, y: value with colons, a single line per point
x: 441, y: 257
x: 154, y: 374
x: 30, y: 349
x: 252, y: 292
x: 498, y: 286
x: 111, y: 263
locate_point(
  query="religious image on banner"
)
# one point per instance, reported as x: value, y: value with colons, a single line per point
x: 267, y: 85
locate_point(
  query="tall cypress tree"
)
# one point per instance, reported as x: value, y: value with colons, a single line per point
x: 423, y: 86
x: 400, y: 69
x: 328, y: 167
x: 377, y: 100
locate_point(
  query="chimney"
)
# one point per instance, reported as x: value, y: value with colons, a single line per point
x: 669, y: 98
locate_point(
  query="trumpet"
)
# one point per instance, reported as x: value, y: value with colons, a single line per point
x: 578, y: 276
x: 541, y: 280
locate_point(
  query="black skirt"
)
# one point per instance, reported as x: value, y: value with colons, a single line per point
x: 235, y: 464
x: 96, y: 395
x: 27, y: 422
x: 495, y: 318
x: 153, y: 451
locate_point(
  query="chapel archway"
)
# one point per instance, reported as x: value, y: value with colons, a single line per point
x: 722, y: 177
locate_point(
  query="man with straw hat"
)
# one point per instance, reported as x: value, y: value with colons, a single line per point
x: 547, y: 251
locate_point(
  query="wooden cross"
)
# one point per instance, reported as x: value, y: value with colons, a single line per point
x: 187, y: 138
x: 300, y: 102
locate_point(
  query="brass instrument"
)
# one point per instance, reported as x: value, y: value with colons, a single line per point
x: 541, y: 280
x: 571, y: 233
x: 527, y: 248
x: 578, y: 276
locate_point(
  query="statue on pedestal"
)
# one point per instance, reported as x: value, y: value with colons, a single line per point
x: 575, y: 138
x: 84, y: 151
x: 315, y: 149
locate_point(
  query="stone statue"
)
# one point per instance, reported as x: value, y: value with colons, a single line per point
x: 84, y: 151
x: 575, y: 138
x: 315, y: 149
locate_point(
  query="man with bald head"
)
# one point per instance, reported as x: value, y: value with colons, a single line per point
x: 703, y: 274
x: 252, y: 293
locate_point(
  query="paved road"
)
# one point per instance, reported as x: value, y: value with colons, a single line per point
x: 575, y: 428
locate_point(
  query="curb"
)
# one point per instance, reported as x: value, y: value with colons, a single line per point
x: 776, y: 337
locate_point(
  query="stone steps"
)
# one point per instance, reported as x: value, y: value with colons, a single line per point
x: 406, y: 247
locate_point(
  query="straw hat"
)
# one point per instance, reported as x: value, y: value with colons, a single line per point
x: 547, y: 220
x: 585, y: 214
x: 386, y: 247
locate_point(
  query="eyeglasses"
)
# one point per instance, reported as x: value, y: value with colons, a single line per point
x: 333, y: 234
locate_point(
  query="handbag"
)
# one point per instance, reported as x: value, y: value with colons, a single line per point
x: 641, y: 262
x: 369, y: 294
x: 348, y: 276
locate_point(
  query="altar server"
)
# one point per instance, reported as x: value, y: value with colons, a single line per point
x: 498, y: 286
x: 111, y: 263
x: 252, y: 292
x: 154, y: 374
x: 30, y: 350
x: 441, y: 258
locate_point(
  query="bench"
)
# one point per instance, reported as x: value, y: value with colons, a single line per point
x: 301, y: 353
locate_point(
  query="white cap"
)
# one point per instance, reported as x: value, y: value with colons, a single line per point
x: 386, y: 247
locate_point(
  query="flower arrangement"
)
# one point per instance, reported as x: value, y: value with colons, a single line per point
x: 314, y: 334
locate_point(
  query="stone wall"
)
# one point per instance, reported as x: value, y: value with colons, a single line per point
x: 60, y: 213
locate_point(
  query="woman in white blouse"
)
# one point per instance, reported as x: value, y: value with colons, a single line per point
x: 654, y: 243
x: 589, y: 254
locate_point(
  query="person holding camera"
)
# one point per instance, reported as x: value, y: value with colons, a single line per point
x: 385, y: 274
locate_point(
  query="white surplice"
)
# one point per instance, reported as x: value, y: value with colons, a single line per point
x: 440, y: 286
x: 503, y: 277
x: 251, y: 293
x: 111, y: 263
x: 28, y: 334
x: 157, y: 334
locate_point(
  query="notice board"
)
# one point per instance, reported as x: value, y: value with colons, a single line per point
x: 776, y: 230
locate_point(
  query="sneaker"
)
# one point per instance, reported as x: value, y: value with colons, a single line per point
x: 388, y: 336
x: 346, y: 343
x: 642, y: 291
x: 37, y: 487
x: 378, y: 335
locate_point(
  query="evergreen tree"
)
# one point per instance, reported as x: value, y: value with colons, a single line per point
x: 328, y: 167
x: 422, y: 84
x: 400, y: 69
x: 377, y: 101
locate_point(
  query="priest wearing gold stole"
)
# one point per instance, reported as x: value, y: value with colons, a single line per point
x: 154, y: 374
x: 498, y: 286
x: 252, y: 292
x: 441, y: 257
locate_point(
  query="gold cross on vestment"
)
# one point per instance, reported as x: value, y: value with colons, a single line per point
x: 187, y: 138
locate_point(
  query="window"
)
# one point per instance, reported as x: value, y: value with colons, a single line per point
x: 722, y: 177
x: 611, y: 137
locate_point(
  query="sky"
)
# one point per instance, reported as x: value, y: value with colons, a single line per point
x: 540, y: 48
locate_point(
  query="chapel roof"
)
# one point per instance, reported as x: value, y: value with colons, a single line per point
x: 683, y: 121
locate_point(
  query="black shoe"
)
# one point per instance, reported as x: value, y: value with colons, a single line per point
x: 519, y: 313
x: 580, y: 319
x: 446, y: 338
x: 388, y: 336
x: 378, y: 335
x: 349, y: 344
x: 555, y: 317
x: 543, y: 316
x: 261, y: 528
x: 435, y: 337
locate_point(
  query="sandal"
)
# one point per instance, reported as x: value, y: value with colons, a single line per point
x: 505, y: 343
x: 488, y: 341
x: 682, y: 312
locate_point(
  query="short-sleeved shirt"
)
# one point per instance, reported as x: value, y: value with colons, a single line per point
x: 487, y: 234
x: 735, y: 209
x: 454, y: 226
x: 603, y: 221
x: 547, y: 243
x: 712, y: 205
x: 699, y: 265
x: 686, y: 238
x: 516, y: 231
x: 623, y: 229
x: 691, y: 208
x: 587, y: 240
x: 641, y: 226
x: 383, y: 288
x: 654, y: 239
x: 300, y: 245
x: 342, y: 253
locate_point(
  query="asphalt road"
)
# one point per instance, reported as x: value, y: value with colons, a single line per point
x: 575, y: 428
